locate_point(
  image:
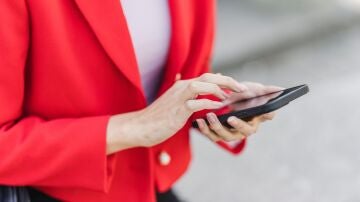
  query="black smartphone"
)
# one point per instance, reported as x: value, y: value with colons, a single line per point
x: 255, y: 106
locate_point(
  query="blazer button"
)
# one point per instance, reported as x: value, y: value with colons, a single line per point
x: 177, y: 76
x: 164, y: 158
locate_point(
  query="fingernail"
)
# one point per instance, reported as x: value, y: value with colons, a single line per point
x: 269, y: 116
x: 211, y: 117
x: 232, y: 119
x: 199, y: 122
x: 274, y: 88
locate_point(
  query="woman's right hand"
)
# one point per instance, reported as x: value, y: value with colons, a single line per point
x: 169, y: 113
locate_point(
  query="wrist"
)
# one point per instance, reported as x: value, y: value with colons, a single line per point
x: 122, y: 132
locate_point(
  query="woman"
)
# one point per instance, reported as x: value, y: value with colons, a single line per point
x: 83, y: 116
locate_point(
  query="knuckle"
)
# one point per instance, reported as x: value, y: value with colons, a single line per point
x: 229, y: 79
x: 179, y: 83
x: 216, y: 127
x: 192, y: 86
x: 216, y: 88
x: 205, y: 76
x: 189, y: 105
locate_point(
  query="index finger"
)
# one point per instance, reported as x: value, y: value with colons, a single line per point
x: 223, y: 81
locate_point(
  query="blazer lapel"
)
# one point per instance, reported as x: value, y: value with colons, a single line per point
x: 108, y: 22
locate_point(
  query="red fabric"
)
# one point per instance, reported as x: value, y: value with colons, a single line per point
x: 237, y: 149
x: 65, y: 67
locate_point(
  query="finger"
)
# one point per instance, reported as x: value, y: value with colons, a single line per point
x: 261, y: 118
x: 254, y: 87
x: 243, y: 127
x: 260, y: 89
x: 268, y: 116
x: 201, y: 104
x: 204, y: 129
x: 222, y: 81
x: 198, y: 87
x: 272, y: 89
x: 256, y: 120
x: 218, y: 128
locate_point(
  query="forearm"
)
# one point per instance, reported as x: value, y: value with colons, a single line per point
x: 119, y: 134
x: 143, y: 128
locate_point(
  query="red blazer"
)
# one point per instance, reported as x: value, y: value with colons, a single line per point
x: 66, y: 67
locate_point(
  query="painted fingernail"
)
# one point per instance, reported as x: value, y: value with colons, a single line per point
x: 276, y: 88
x: 211, y: 118
x: 232, y: 119
x: 200, y: 124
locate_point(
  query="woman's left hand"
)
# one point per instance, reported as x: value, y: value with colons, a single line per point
x: 241, y: 129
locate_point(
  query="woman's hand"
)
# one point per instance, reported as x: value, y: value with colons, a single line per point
x: 169, y: 113
x: 241, y: 129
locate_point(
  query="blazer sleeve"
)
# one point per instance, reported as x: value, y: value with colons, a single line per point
x: 38, y: 152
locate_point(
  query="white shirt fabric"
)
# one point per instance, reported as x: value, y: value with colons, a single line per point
x: 150, y: 29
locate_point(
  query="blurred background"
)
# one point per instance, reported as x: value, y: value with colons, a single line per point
x: 311, y: 151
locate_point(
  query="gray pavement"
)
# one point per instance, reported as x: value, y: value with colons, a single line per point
x: 310, y: 152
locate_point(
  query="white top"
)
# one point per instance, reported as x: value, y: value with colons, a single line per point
x: 150, y: 30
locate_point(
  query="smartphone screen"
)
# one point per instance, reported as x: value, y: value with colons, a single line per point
x: 239, y: 102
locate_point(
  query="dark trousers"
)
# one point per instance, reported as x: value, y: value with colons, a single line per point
x: 37, y: 196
